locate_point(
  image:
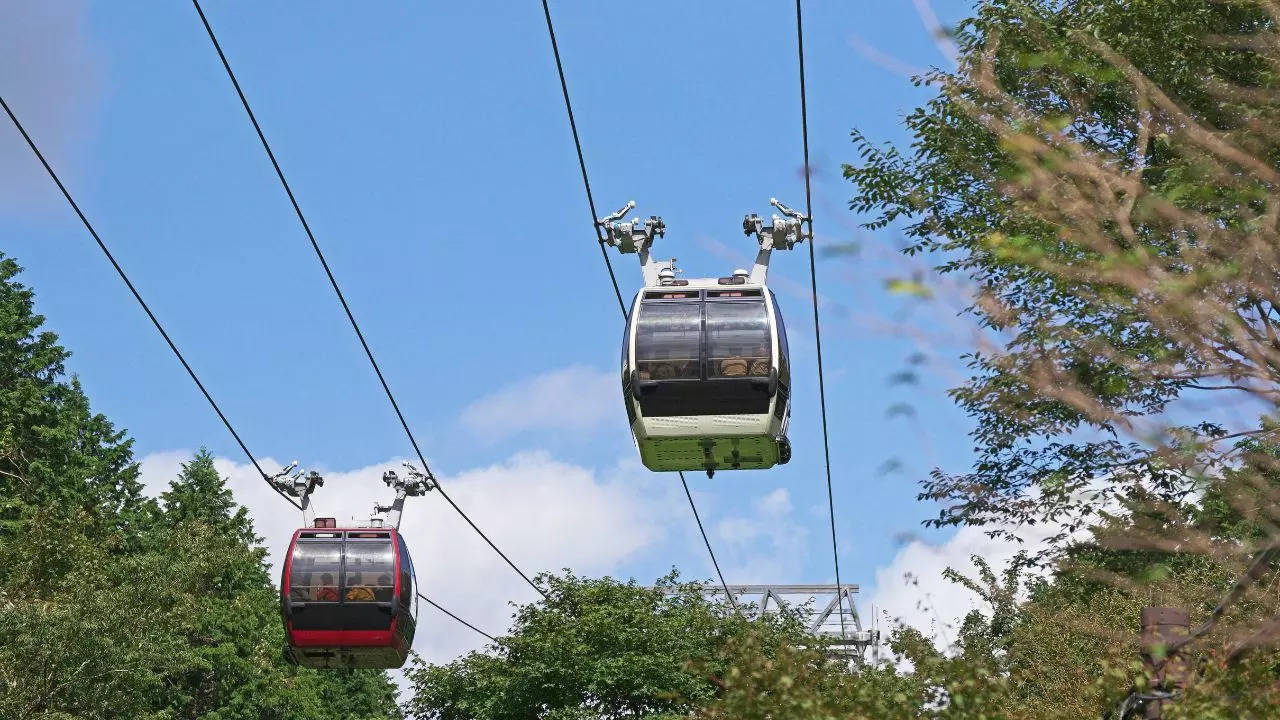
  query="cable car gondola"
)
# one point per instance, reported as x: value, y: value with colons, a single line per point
x: 706, y: 374
x: 348, y: 597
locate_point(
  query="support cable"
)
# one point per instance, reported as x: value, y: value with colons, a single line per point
x: 136, y: 296
x: 437, y: 606
x: 732, y: 601
x: 586, y: 183
x: 582, y: 163
x: 813, y: 284
x: 386, y: 388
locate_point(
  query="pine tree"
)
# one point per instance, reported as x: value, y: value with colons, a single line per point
x: 199, y: 494
x: 53, y: 448
x: 111, y: 607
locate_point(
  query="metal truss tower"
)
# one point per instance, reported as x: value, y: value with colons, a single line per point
x: 820, y: 607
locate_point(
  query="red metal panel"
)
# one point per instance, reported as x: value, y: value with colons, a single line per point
x: 342, y: 638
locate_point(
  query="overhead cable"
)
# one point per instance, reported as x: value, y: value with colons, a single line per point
x: 136, y: 296
x: 586, y: 183
x: 437, y: 606
x: 813, y: 285
x: 582, y: 163
x: 732, y: 601
x: 351, y: 318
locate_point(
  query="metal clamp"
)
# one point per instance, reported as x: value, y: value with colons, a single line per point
x: 300, y: 484
x: 783, y: 233
x: 631, y: 236
x: 420, y: 483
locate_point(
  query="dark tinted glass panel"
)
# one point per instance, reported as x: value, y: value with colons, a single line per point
x: 718, y: 396
x: 314, y: 571
x: 365, y: 616
x: 406, y: 576
x: 784, y: 351
x: 738, y: 341
x: 668, y: 340
x: 370, y: 571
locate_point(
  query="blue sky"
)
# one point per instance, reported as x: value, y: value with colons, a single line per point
x: 428, y: 145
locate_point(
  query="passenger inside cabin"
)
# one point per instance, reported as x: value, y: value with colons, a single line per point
x: 356, y: 590
x: 385, y: 588
x: 327, y: 591
x: 755, y: 364
x: 733, y: 367
x: 760, y: 361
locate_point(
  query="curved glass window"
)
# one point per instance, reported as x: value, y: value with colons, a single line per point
x: 370, y: 572
x: 408, y: 600
x: 314, y: 571
x: 784, y: 351
x: 738, y: 341
x: 669, y: 340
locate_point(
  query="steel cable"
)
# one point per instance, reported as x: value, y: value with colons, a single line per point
x: 333, y: 282
x: 586, y: 183
x: 145, y: 308
x: 582, y: 163
x: 813, y: 284
x: 437, y: 606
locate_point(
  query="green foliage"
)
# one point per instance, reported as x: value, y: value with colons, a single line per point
x: 1098, y: 226
x: 53, y: 448
x: 596, y: 649
x: 200, y: 495
x: 1057, y: 646
x: 112, y: 606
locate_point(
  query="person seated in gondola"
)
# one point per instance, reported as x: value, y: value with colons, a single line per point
x: 760, y: 362
x: 385, y: 588
x: 733, y: 367
x: 327, y: 591
x: 356, y: 591
x: 757, y: 364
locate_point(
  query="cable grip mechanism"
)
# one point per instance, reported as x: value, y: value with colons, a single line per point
x: 632, y: 235
x: 783, y: 233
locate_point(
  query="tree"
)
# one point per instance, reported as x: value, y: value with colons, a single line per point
x: 1103, y: 173
x: 596, y: 649
x: 200, y: 495
x: 183, y: 622
x: 53, y: 448
x: 111, y: 606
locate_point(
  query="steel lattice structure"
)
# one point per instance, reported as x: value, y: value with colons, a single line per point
x: 821, y: 607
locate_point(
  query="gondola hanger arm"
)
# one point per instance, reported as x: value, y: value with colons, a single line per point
x: 636, y: 236
x: 300, y: 484
x: 604, y: 222
x: 418, y: 483
x: 783, y: 232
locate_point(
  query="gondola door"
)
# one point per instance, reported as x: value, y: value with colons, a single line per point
x: 313, y: 605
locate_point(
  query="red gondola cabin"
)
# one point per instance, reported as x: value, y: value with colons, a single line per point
x: 347, y: 597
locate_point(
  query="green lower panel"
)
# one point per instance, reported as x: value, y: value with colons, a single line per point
x: 727, y: 453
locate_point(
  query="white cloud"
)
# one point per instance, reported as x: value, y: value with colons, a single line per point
x: 775, y: 503
x: 545, y: 514
x: 763, y: 546
x: 575, y: 398
x: 912, y: 591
